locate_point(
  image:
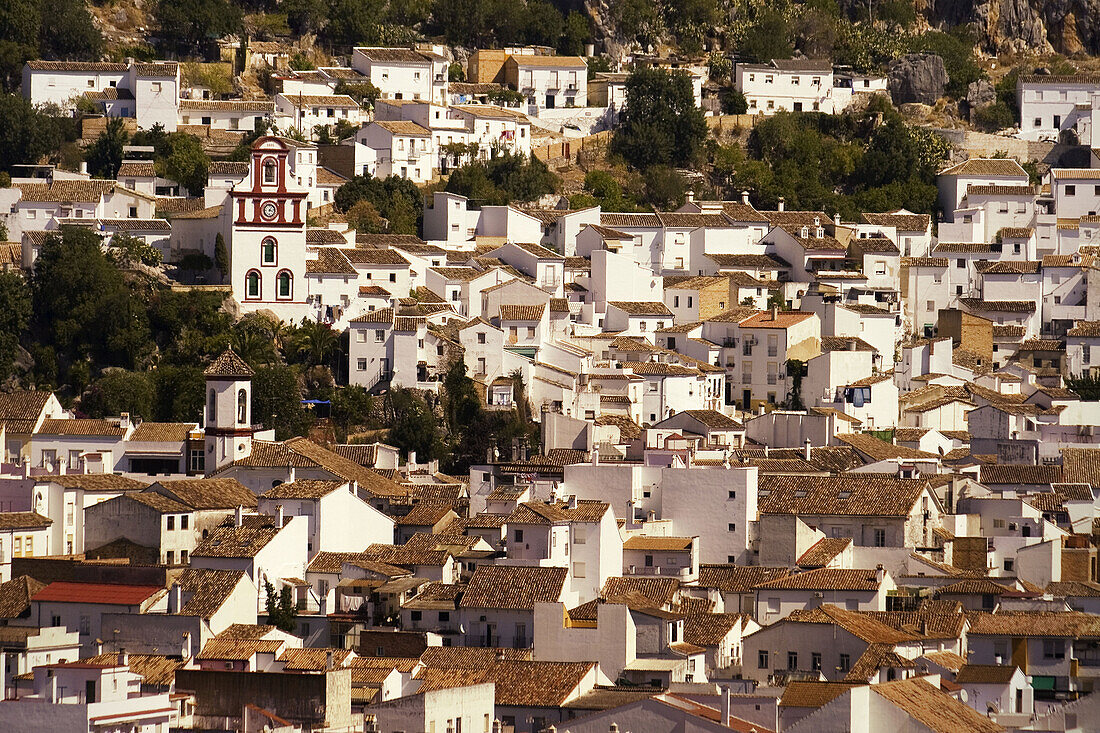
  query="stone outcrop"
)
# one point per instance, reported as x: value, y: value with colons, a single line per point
x: 917, y: 77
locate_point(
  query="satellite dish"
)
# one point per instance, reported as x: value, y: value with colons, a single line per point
x: 963, y: 697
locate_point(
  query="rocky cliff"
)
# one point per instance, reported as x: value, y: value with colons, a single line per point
x: 1065, y: 26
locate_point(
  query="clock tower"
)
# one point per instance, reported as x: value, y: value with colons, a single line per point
x: 267, y: 243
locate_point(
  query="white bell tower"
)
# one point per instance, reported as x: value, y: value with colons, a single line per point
x: 228, y: 410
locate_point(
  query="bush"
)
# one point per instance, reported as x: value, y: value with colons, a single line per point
x: 733, y: 101
x: 994, y: 117
x: 661, y: 124
x: 957, y: 51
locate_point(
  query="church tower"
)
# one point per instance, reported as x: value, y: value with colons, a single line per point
x: 228, y: 410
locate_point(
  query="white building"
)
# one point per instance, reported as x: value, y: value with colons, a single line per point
x: 1051, y: 104
x: 403, y: 73
x: 796, y: 85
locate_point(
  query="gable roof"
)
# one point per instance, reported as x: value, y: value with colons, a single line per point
x: 850, y: 494
x: 985, y: 167
x: 208, y: 590
x: 231, y: 541
x: 16, y: 594
x: 207, y: 493
x: 513, y: 587
x: 933, y: 708
x: 104, y: 593
x: 827, y: 579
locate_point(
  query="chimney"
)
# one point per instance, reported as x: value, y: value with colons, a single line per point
x: 124, y: 420
x: 614, y: 728
x: 726, y: 705
x: 177, y: 598
x: 26, y: 468
x: 572, y: 501
x: 238, y: 515
x: 291, y: 475
x: 500, y: 655
x: 782, y: 205
x: 186, y: 648
x: 328, y: 660
x: 690, y: 196
x: 880, y: 574
x: 775, y: 313
x: 279, y: 518
x: 924, y: 628
x: 807, y: 450
x: 51, y: 690
x: 61, y: 467
x: 852, y: 345
x: 836, y: 219
x: 745, y: 197
x: 123, y: 658
x: 412, y: 461
x: 496, y: 726
x: 84, y: 167
x: 652, y: 515
x: 3, y: 675
x: 595, y: 455
x: 767, y: 449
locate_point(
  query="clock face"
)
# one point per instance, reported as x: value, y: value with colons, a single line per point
x: 269, y: 210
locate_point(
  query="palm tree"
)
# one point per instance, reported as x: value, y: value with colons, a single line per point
x: 314, y: 342
x: 253, y: 345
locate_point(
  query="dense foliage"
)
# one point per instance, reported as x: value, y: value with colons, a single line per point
x: 502, y: 179
x: 661, y: 125
x: 838, y: 163
x: 29, y: 135
x: 56, y: 30
x: 396, y: 202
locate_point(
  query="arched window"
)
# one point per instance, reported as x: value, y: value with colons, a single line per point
x: 212, y: 408
x: 242, y: 407
x: 269, y: 171
x: 284, y: 285
x: 252, y: 285
x: 268, y: 251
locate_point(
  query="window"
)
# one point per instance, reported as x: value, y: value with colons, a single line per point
x: 1038, y: 122
x: 360, y: 365
x: 1071, y: 190
x: 183, y: 557
x: 360, y: 337
x: 1054, y: 649
x: 815, y: 661
x: 733, y: 494
x: 284, y: 285
x: 845, y: 663
x: 379, y: 335
x: 880, y: 538
x: 579, y: 570
x: 792, y: 661
x: 242, y: 407
x: 267, y: 251
x: 184, y: 521
x: 731, y: 527
x: 960, y: 263
x: 416, y: 615
x: 252, y: 285
x: 762, y: 659
x: 171, y: 523
x: 518, y: 535
x: 170, y: 557
x: 269, y: 171
x: 481, y: 338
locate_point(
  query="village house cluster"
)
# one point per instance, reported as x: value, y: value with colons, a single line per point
x: 796, y: 473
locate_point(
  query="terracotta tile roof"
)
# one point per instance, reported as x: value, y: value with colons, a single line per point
x: 205, y: 591
x: 227, y: 105
x: 100, y: 593
x: 81, y: 426
x: 97, y: 482
x: 321, y: 100
x: 657, y: 543
x: 1002, y: 190
x: 157, y: 68
x: 88, y: 66
x: 330, y: 261
x: 23, y: 520
x: 873, y: 245
x: 425, y: 514
x: 303, y: 489
x: 19, y: 411
x: 237, y: 169
x: 985, y: 674
x: 878, y: 449
x: 935, y: 709
x: 738, y: 578
x: 228, y: 540
x: 847, y: 495
x: 781, y: 319
x: 947, y: 660
x: 821, y: 244
x: 406, y: 128
x: 903, y: 222
x: 1020, y: 474
x: 522, y: 312
x: 1081, y: 465
x: 874, y: 658
x: 659, y: 369
x: 974, y: 586
x: 998, y: 306
x: 207, y: 493
x: 161, y: 432
x: 16, y: 594
x: 924, y: 262
x: 826, y: 579
x: 639, y: 308
x: 394, y: 55
x: 1009, y: 267
x: 1085, y: 329
x: 660, y: 592
x: 240, y: 650
x: 468, y: 657
x: 314, y: 659
x: 714, y: 420
x: 632, y: 221
x: 962, y: 247
x: 516, y: 588
x: 522, y: 684
x: 229, y: 365
x: 1035, y: 623
x: 985, y: 167
x: 822, y: 552
x: 1074, y: 588
x: 137, y: 169
x: 156, y: 502
x: 813, y: 694
x: 692, y: 220
x: 710, y: 629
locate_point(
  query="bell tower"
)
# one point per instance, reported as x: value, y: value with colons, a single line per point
x: 228, y: 410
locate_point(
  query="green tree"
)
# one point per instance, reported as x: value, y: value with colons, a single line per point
x: 119, y: 391
x: 575, y: 34
x: 15, y: 316
x: 398, y: 200
x: 277, y: 401
x: 544, y: 23
x: 28, y: 134
x: 505, y: 178
x: 104, y: 156
x: 351, y: 408
x: 305, y: 16
x: 1087, y: 386
x: 221, y: 256
x: 314, y: 343
x: 994, y: 117
x: 413, y: 426
x: 661, y: 124
x: 733, y: 101
x: 177, y: 393
x: 126, y: 251
x: 664, y: 188
x: 20, y: 21
x: 182, y: 159
x: 195, y: 25
x: 68, y: 32
x: 767, y: 38
x: 282, y: 611
x: 364, y: 93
